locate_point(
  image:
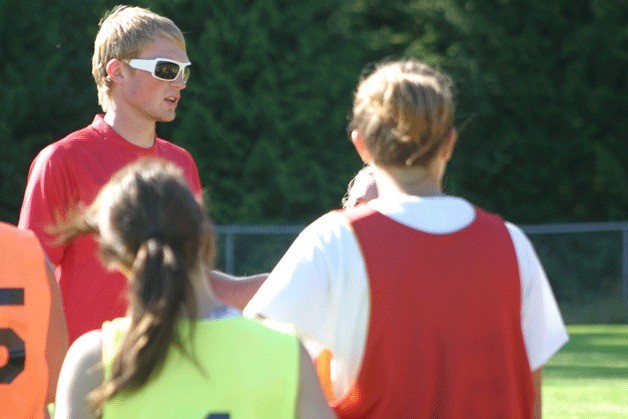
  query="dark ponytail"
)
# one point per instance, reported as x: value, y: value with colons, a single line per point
x: 160, y: 288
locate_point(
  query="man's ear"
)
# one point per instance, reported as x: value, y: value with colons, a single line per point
x: 358, y: 142
x: 115, y: 70
x: 447, y: 149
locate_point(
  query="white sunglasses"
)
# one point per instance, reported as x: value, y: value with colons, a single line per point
x: 162, y: 68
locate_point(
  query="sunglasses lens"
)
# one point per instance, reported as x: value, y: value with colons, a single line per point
x: 166, y: 70
x: 186, y: 73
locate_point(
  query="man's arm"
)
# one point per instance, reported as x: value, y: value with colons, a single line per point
x: 57, y: 335
x: 235, y: 291
x: 47, y: 197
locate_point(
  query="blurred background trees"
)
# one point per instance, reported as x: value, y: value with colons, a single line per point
x: 541, y: 98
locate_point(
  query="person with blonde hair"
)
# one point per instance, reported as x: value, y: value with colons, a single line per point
x: 416, y: 304
x: 179, y: 351
x: 140, y: 66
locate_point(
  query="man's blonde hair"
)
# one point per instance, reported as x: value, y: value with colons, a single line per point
x: 404, y: 111
x: 124, y: 32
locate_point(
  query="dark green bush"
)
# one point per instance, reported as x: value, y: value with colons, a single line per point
x: 541, y: 107
x: 541, y: 87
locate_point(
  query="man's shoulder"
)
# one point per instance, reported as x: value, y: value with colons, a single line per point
x: 74, y: 140
x: 68, y: 146
x: 170, y: 146
x: 86, y: 133
x: 173, y: 152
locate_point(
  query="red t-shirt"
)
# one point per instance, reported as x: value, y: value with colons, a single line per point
x: 70, y: 171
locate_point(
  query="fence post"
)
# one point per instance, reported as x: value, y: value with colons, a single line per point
x: 230, y: 231
x: 624, y: 270
x: 229, y: 253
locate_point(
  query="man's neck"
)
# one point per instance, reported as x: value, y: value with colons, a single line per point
x: 136, y: 131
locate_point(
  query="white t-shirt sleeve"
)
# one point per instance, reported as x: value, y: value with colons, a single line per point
x: 300, y: 289
x: 320, y: 286
x: 544, y: 331
x: 297, y: 289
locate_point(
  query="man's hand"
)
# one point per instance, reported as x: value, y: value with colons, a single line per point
x: 235, y: 291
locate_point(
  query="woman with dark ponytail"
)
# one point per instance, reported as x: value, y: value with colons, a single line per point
x: 179, y: 352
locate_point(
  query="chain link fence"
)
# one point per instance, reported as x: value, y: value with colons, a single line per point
x: 587, y: 264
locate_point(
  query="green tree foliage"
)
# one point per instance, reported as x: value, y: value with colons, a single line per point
x: 266, y: 112
x: 44, y: 84
x: 542, y: 93
x: 541, y: 87
x: 552, y: 138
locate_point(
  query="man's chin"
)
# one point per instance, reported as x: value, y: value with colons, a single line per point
x: 168, y: 118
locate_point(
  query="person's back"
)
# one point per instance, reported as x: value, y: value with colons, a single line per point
x: 460, y: 291
x: 242, y: 368
x: 33, y: 338
x: 423, y: 305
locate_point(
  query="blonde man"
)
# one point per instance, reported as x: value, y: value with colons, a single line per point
x: 425, y: 305
x: 140, y: 66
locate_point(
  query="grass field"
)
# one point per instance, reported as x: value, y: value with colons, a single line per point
x: 588, y: 377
